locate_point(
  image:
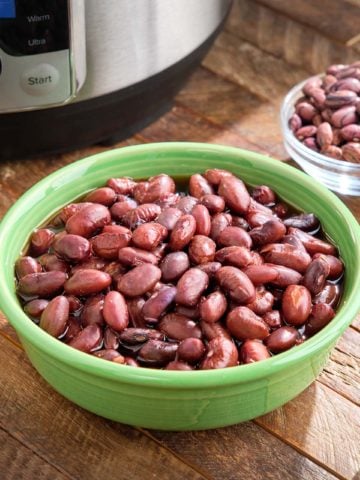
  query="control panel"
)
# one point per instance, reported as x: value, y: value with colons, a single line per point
x: 40, y: 45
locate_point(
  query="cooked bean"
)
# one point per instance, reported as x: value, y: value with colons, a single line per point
x: 201, y: 249
x: 72, y: 248
x: 282, y: 339
x: 221, y: 353
x: 296, y: 304
x: 158, y: 303
x: 191, y: 350
x: 86, y: 282
x: 26, y: 265
x: 88, y: 220
x: 55, y: 316
x: 213, y: 307
x: 179, y: 327
x: 92, y: 313
x: 190, y: 287
x: 253, y: 351
x: 243, y: 323
x: 148, y: 235
x: 237, y: 284
x: 88, y: 339
x: 139, y: 280
x: 235, y: 194
x: 43, y: 284
x: 183, y: 232
x: 174, y: 265
x: 40, y: 241
x: 202, y: 218
x: 115, y: 311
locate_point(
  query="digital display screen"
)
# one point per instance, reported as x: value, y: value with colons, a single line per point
x: 7, y: 8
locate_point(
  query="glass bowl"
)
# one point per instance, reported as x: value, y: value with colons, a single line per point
x: 163, y: 399
x: 338, y: 175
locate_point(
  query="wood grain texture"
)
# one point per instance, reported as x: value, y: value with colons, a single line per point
x: 323, y: 425
x: 322, y: 15
x: 236, y: 109
x: 250, y: 453
x: 342, y: 371
x: 17, y: 462
x: 73, y: 441
x: 269, y: 28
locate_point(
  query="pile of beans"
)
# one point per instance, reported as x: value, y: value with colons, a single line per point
x: 327, y: 117
x: 142, y: 275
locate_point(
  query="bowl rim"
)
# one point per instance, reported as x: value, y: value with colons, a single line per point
x: 189, y: 380
x: 323, y: 160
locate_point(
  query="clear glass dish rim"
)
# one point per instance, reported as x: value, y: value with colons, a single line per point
x: 305, y: 152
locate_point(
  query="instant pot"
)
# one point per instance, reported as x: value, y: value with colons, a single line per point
x: 79, y: 72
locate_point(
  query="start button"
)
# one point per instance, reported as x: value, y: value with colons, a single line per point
x: 40, y: 80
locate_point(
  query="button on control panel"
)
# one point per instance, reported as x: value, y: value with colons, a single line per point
x: 35, y: 54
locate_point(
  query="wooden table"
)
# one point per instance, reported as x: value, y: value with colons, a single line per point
x: 233, y: 99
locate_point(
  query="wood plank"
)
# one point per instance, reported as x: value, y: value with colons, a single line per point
x: 323, y: 425
x: 342, y: 371
x: 274, y: 32
x: 356, y: 323
x: 78, y: 443
x: 322, y: 15
x: 264, y: 75
x: 17, y: 176
x: 234, y: 108
x: 250, y: 453
x: 18, y: 462
x: 183, y: 125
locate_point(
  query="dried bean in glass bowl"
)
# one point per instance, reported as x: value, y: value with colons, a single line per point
x: 189, y: 273
x: 320, y: 120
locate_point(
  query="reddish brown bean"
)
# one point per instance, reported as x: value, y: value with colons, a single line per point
x: 72, y: 248
x: 40, y: 241
x: 73, y: 329
x: 261, y: 274
x: 202, y: 218
x: 235, y: 194
x: 321, y: 315
x: 237, y: 284
x: 316, y: 275
x: 313, y: 244
x: 148, y: 235
x: 215, y: 175
x: 69, y: 210
x: 133, y: 257
x: 41, y: 284
x: 264, y: 195
x: 285, y: 276
x: 111, y: 338
x: 234, y: 236
x: 139, y: 280
x: 213, y: 330
x: 177, y: 365
x: 263, y: 302
x: 35, y: 307
x: 110, y: 354
x: 174, y: 265
x: 50, y: 262
x: 179, y: 327
x: 286, y: 255
x: 55, y: 316
x: 92, y: 313
x: 93, y: 262
x: 190, y: 287
x: 155, y: 188
x: 191, y: 312
x: 104, y: 195
x: 26, y: 265
x: 147, y: 212
x: 304, y: 221
x: 186, y: 204
x: 335, y: 264
x: 270, y: 232
x: 158, y: 303
x: 296, y: 304
x: 107, y: 245
x: 213, y: 307
x: 168, y: 217
x: 122, y: 185
x: 191, y: 350
x: 135, y: 306
x: 221, y: 353
x: 237, y: 256
x: 88, y: 339
x: 273, y: 319
x: 218, y: 223
x: 86, y: 282
x: 88, y: 220
x: 199, y: 186
x: 213, y: 203
x: 75, y: 304
x: 136, y: 336
x: 282, y: 339
x: 253, y: 351
x: 182, y: 233
x: 115, y: 311
x: 157, y: 353
x: 119, y: 209
x: 243, y: 323
x: 210, y: 268
x: 201, y: 249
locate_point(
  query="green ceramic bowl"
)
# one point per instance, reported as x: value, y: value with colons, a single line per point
x: 173, y: 400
